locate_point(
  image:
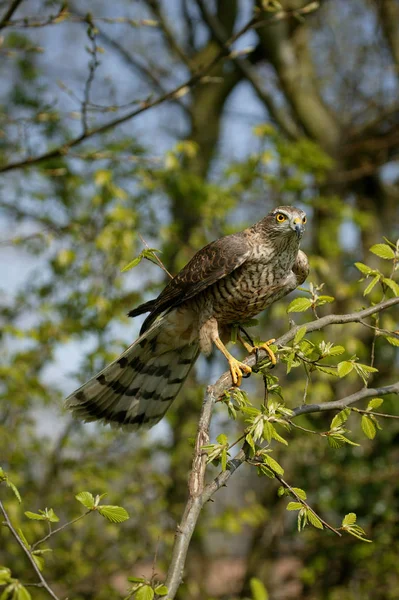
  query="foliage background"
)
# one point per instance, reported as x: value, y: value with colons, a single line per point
x: 304, y: 112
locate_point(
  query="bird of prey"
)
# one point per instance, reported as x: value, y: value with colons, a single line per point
x: 227, y: 282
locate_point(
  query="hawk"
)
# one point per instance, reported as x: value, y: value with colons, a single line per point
x: 228, y: 281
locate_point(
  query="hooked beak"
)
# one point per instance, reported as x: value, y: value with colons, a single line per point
x: 298, y: 227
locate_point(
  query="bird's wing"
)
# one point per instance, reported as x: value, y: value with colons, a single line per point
x: 208, y: 265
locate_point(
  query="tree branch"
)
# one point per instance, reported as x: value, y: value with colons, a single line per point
x: 279, y: 116
x: 344, y: 402
x: 9, y: 13
x: 199, y: 494
x: 43, y: 582
x: 355, y: 317
x: 171, y: 95
x: 196, y: 499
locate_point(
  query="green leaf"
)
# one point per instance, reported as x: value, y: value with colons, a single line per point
x: 371, y: 285
x: 144, y: 593
x: 21, y: 593
x: 51, y: 516
x: 340, y: 418
x: 368, y: 427
x: 374, y: 403
x: 9, y: 590
x: 300, y: 334
x: 23, y: 538
x: 344, y: 368
x: 136, y: 579
x: 268, y: 430
x: 273, y: 464
x: 328, y: 370
x: 294, y: 506
x: 299, y: 305
x: 102, y: 177
x: 250, y: 441
x: 14, y: 489
x: 335, y: 442
x: 223, y: 459
x: 34, y: 516
x: 86, y: 498
x: 161, y: 590
x: 5, y: 575
x: 222, y: 439
x: 339, y: 438
x: 336, y: 350
x: 300, y: 493
x: 314, y: 520
x: 114, y: 514
x: 363, y: 268
x: 349, y: 519
x: 278, y: 438
x: 324, y: 300
x: 39, y: 560
x: 392, y: 340
x: 258, y: 590
x: 132, y: 263
x: 383, y: 251
x: 392, y: 284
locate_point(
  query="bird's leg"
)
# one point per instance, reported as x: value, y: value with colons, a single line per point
x: 237, y: 368
x: 265, y: 345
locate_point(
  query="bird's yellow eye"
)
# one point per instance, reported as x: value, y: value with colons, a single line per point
x: 280, y: 218
x: 304, y: 220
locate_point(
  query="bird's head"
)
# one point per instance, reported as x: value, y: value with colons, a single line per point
x: 286, y: 221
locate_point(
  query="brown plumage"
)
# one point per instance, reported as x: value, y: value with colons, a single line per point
x: 230, y: 280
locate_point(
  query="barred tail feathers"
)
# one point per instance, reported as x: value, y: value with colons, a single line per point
x: 138, y: 387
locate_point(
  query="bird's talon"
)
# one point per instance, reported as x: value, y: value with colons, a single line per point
x: 237, y: 370
x: 266, y: 346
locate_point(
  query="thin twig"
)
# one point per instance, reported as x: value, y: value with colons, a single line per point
x: 159, y: 261
x: 9, y: 13
x: 146, y: 105
x: 43, y: 582
x: 54, y: 531
x: 93, y: 64
x: 279, y: 115
x: 299, y: 499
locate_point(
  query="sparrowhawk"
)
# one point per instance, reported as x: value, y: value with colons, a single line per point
x: 228, y: 281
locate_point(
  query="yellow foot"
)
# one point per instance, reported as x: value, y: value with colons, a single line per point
x: 237, y: 369
x: 265, y: 346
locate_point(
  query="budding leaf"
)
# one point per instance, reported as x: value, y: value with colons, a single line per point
x: 132, y: 263
x: 299, y: 305
x: 371, y: 285
x: 258, y: 590
x: 34, y: 516
x: 86, y: 498
x: 114, y: 514
x: 374, y: 403
x: 393, y: 340
x: 299, y: 334
x: 294, y: 506
x: 161, y: 590
x: 314, y: 520
x: 363, y: 268
x: 368, y: 427
x: 273, y: 464
x: 344, y: 368
x: 5, y: 575
x: 349, y: 519
x: 383, y: 251
x: 392, y: 284
x: 340, y: 418
x: 144, y: 593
